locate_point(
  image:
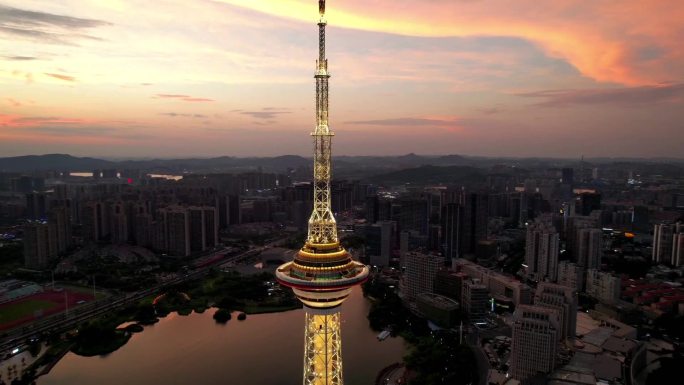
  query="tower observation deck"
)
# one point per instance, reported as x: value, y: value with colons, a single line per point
x: 322, y: 273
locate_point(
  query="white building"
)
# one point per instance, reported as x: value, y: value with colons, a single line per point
x: 603, y: 286
x: 535, y: 341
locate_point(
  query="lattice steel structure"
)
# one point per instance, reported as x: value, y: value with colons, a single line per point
x: 322, y: 273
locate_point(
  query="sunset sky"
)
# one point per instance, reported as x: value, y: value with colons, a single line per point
x: 171, y: 78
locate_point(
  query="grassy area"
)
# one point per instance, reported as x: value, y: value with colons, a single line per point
x: 22, y: 309
x: 99, y: 343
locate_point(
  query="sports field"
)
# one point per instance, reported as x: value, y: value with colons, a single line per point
x: 21, y: 309
x: 25, y: 310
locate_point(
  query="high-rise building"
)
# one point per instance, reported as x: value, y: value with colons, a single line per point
x: 475, y: 298
x: 176, y: 227
x: 563, y: 300
x: 571, y: 275
x: 450, y: 284
x: 535, y: 342
x: 412, y: 214
x: 452, y: 230
x: 664, y: 240
x: 37, y: 205
x: 475, y: 212
x: 385, y: 251
x: 541, y: 251
x: 587, y: 202
x: 498, y: 284
x: 322, y: 273
x: 143, y: 233
x: 95, y: 221
x: 37, y: 251
x: 211, y: 226
x: 572, y: 225
x: 229, y: 210
x: 589, y: 248
x: 603, y: 286
x: 203, y: 228
x: 58, y: 219
x: 119, y: 226
x: 568, y: 176
x: 420, y: 274
x: 404, y: 242
x: 379, y: 242
x: 372, y: 208
x: 677, y: 250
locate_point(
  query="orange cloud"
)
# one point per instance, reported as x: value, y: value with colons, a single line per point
x: 631, y: 42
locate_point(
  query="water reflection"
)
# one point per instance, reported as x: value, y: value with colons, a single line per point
x: 264, y: 349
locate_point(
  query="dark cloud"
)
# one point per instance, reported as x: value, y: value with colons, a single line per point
x: 45, y: 27
x: 267, y: 113
x: 406, y: 122
x: 19, y: 58
x: 616, y: 96
x: 179, y: 115
x: 61, y: 77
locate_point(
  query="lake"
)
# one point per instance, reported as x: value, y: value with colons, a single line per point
x: 266, y: 349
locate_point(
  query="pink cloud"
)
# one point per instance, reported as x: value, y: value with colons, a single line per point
x: 185, y: 98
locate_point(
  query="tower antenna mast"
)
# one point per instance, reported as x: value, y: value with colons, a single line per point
x: 322, y: 273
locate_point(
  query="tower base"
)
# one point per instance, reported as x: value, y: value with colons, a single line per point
x: 322, y: 347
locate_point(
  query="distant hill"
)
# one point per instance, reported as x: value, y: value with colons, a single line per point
x: 62, y: 162
x: 52, y: 162
x: 410, y: 167
x: 432, y: 174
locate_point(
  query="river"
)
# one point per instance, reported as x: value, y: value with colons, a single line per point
x: 265, y: 349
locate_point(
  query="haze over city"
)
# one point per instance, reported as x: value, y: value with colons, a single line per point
x: 233, y: 77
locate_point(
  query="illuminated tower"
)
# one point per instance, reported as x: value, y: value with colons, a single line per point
x: 322, y: 273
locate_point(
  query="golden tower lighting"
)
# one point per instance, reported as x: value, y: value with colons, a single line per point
x: 322, y: 273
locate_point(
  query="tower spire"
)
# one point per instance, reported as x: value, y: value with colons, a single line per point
x: 322, y: 273
x: 322, y: 226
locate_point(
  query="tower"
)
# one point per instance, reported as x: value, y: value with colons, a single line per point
x: 322, y: 273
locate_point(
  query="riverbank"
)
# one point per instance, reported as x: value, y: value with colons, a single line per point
x: 264, y: 349
x: 254, y: 294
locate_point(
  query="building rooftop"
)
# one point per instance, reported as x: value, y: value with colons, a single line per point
x: 438, y: 300
x: 619, y: 345
x: 598, y: 336
x: 572, y: 375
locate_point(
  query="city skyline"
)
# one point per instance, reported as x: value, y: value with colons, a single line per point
x: 116, y: 79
